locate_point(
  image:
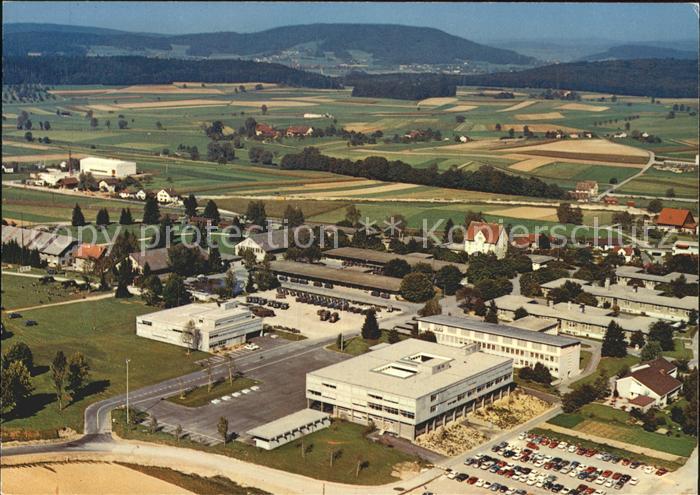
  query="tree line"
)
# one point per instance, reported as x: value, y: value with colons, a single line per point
x: 486, y: 178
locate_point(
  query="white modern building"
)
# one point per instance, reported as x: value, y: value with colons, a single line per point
x: 525, y: 347
x: 634, y: 300
x: 486, y: 238
x: 411, y: 387
x: 570, y: 318
x: 215, y: 325
x: 109, y: 167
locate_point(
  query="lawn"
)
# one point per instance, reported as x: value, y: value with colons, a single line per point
x: 346, y: 439
x: 609, y: 366
x: 607, y: 448
x: 202, y: 395
x: 585, y: 359
x: 357, y: 345
x: 20, y: 292
x: 608, y: 422
x: 679, y: 351
x: 104, y: 331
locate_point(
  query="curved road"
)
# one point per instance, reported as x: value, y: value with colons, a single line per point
x: 650, y: 163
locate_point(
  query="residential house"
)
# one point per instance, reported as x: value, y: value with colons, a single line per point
x: 69, y: 182
x: 685, y: 247
x: 167, y: 196
x: 87, y: 255
x: 485, y: 238
x: 540, y: 260
x: 264, y: 243
x: 8, y: 168
x: 141, y: 195
x: 651, y: 383
x: 627, y: 252
x: 56, y: 249
x: 585, y: 190
x: 677, y: 219
x: 266, y: 131
x: 609, y: 200
x: 299, y: 130
x: 157, y: 259
x: 109, y: 184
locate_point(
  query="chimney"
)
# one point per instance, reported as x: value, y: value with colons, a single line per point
x: 568, y: 305
x: 607, y: 283
x: 582, y: 307
x: 636, y: 288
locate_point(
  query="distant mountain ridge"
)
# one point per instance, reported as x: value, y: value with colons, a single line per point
x: 630, y: 52
x: 386, y: 43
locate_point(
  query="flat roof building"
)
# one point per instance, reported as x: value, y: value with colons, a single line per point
x: 340, y: 276
x: 636, y: 300
x: 411, y: 387
x: 288, y: 428
x: 571, y: 318
x: 109, y: 167
x: 215, y: 325
x: 371, y: 257
x: 558, y: 353
x: 628, y: 275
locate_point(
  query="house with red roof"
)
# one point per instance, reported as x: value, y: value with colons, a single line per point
x: 87, y: 255
x: 676, y: 219
x: 299, y: 130
x: 651, y: 383
x: 265, y: 131
x: 483, y: 237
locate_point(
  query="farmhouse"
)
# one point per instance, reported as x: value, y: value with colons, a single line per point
x: 167, y: 196
x: 109, y: 167
x: 69, y: 182
x: 109, y: 184
x: 411, y: 387
x: 287, y: 429
x: 585, y: 190
x: 651, y: 383
x: 676, y: 219
x: 559, y: 354
x: 55, y: 249
x: 377, y: 259
x: 141, y: 195
x: 158, y: 260
x: 87, y: 255
x: 299, y: 130
x: 266, y: 131
x: 264, y: 243
x: 346, y: 277
x: 573, y: 319
x: 627, y: 253
x: 486, y: 238
x: 211, y: 325
x: 635, y: 300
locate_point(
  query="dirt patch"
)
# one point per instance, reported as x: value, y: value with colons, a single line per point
x: 527, y: 213
x: 30, y: 146
x: 160, y: 89
x: 512, y: 410
x: 452, y: 440
x: 531, y: 164
x: 81, y: 478
x: 101, y: 107
x: 534, y: 127
x: 314, y: 186
x: 437, y: 101
x: 583, y: 107
x: 405, y: 470
x: 481, y: 144
x: 77, y: 92
x: 461, y: 108
x: 360, y: 192
x: 539, y: 116
x: 173, y: 104
x: 586, y: 149
x: 518, y: 106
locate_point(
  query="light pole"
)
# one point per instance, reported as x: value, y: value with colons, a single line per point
x: 127, y: 392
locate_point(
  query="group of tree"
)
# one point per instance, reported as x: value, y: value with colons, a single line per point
x: 400, y: 86
x: 221, y: 152
x: 571, y: 292
x: 417, y: 287
x: 531, y: 283
x: 13, y: 253
x: 586, y: 394
x: 540, y: 373
x: 69, y: 376
x: 16, y: 377
x: 260, y: 155
x: 192, y: 150
x: 125, y: 217
x: 26, y: 93
x: 569, y: 214
x: 486, y: 178
x: 614, y: 342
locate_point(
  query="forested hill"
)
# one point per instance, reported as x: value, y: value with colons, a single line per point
x: 629, y: 52
x: 143, y: 70
x: 386, y: 43
x: 644, y: 77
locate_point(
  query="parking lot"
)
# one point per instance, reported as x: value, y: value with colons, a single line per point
x: 530, y: 464
x: 280, y: 366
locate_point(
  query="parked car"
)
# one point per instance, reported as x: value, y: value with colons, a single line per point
x: 13, y: 316
x: 31, y: 323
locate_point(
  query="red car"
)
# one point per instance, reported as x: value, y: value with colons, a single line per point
x: 661, y: 472
x: 606, y: 474
x: 548, y: 465
x: 616, y: 476
x: 532, y: 446
x: 472, y: 480
x: 590, y: 490
x: 553, y: 444
x: 544, y: 441
x: 625, y: 462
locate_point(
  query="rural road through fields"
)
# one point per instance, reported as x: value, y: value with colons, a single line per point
x: 650, y: 163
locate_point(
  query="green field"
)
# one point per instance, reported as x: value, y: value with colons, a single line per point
x: 346, y: 439
x: 609, y: 366
x: 607, y: 422
x: 104, y: 331
x: 21, y: 292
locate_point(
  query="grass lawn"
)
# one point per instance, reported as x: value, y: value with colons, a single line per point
x: 607, y: 448
x: 609, y: 366
x: 20, y: 292
x: 585, y: 359
x: 287, y: 335
x: 608, y: 422
x: 201, y: 395
x: 195, y: 483
x: 347, y: 439
x: 357, y: 345
x: 104, y: 331
x: 679, y: 351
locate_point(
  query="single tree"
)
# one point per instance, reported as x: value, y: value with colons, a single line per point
x: 416, y: 287
x: 78, y: 371
x: 431, y: 308
x: 59, y: 369
x: 370, y: 328
x: 77, y: 220
x: 614, y: 344
x: 211, y: 211
x: 174, y: 292
x: 15, y: 385
x: 651, y: 351
x: 151, y: 211
x: 190, y: 336
x: 492, y: 313
x: 637, y: 339
x: 222, y: 428
x: 22, y: 353
x: 125, y: 217
x: 178, y: 432
x: 190, y: 204
x: 520, y: 313
x: 393, y: 336
x: 102, y: 217
x: 153, y: 424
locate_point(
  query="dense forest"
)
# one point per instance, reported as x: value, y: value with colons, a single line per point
x: 643, y: 77
x: 144, y: 70
x: 389, y: 44
x: 631, y: 52
x: 400, y: 86
x: 485, y: 179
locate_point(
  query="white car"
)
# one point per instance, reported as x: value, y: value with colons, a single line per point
x: 479, y: 483
x: 600, y: 481
x: 522, y: 436
x: 572, y: 448
x: 487, y: 484
x: 649, y: 469
x: 634, y: 481
x: 530, y: 482
x: 539, y: 484
x: 451, y: 475
x: 216, y: 401
x: 609, y: 483
x: 562, y: 445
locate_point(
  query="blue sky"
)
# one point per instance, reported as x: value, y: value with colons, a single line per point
x: 476, y: 21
